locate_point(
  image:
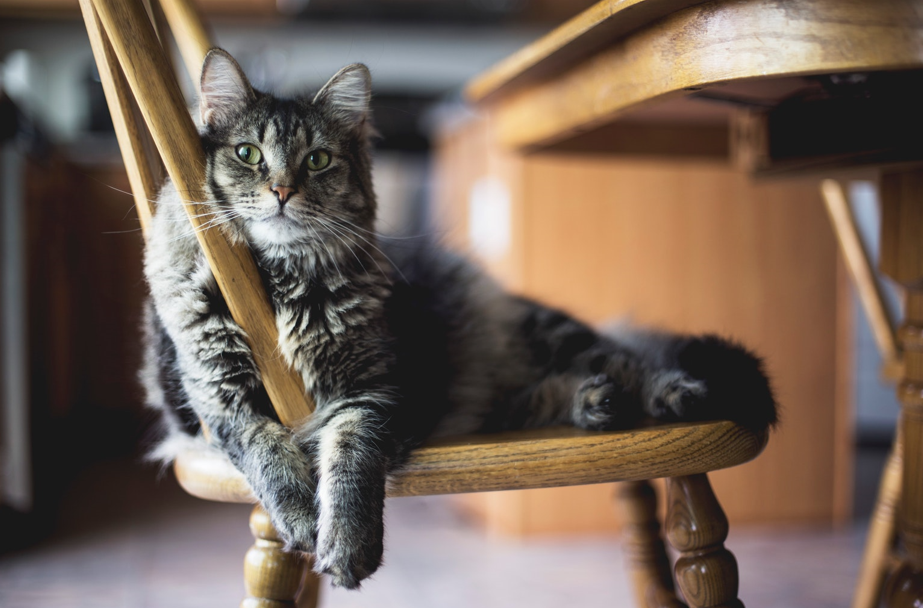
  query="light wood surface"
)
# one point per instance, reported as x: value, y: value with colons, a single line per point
x: 902, y: 259
x: 164, y: 110
x: 145, y: 171
x: 696, y: 527
x: 590, y: 31
x: 698, y: 47
x: 527, y: 459
x: 643, y: 545
x: 273, y: 577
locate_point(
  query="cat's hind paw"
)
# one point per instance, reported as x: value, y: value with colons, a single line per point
x: 601, y: 404
x: 674, y: 395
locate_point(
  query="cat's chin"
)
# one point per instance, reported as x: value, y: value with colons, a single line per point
x: 276, y: 231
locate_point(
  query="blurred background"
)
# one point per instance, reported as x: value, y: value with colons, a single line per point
x: 85, y: 522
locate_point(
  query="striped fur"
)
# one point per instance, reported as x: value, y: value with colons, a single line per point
x: 396, y: 345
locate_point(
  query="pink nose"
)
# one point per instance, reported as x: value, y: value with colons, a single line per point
x: 283, y: 193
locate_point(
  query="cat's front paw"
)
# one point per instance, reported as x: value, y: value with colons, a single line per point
x: 349, y: 550
x: 600, y: 403
x: 296, y: 523
x: 674, y: 395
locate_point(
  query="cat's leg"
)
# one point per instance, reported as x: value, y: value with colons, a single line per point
x: 224, y: 389
x: 350, y: 439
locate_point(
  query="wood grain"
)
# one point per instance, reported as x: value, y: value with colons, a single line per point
x: 696, y: 527
x: 164, y: 110
x: 705, y: 45
x: 527, y: 459
x: 578, y: 37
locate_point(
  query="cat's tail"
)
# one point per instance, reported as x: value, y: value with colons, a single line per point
x: 737, y: 387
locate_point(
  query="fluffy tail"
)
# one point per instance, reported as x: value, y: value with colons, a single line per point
x: 737, y: 387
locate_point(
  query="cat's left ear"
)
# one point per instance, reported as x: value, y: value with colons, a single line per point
x: 224, y: 89
x: 348, y: 95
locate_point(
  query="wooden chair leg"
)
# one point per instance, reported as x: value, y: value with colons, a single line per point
x: 882, y: 532
x: 644, y: 548
x: 902, y: 260
x: 696, y: 527
x: 272, y: 576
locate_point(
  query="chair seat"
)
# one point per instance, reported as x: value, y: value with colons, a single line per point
x: 535, y: 458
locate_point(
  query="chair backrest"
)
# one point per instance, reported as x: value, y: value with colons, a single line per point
x: 149, y: 112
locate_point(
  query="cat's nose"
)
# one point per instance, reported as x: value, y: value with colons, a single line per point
x: 283, y: 193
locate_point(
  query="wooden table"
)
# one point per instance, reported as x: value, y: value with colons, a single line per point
x: 801, y: 86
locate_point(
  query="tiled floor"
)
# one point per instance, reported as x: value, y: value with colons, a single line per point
x: 125, y: 541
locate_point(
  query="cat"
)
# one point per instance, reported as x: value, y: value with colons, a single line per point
x: 395, y: 346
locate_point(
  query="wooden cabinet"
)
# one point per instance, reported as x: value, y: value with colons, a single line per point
x: 689, y: 245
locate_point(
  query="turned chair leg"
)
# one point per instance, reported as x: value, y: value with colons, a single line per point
x: 272, y: 576
x: 696, y: 527
x: 644, y: 548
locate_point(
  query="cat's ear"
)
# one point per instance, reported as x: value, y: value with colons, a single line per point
x: 224, y: 90
x: 348, y: 94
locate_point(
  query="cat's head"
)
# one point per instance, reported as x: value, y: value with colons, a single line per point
x: 290, y: 171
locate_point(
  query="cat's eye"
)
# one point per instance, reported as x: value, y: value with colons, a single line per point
x: 249, y: 153
x: 318, y: 159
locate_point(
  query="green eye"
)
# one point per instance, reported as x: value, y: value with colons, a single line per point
x: 318, y: 159
x: 249, y: 153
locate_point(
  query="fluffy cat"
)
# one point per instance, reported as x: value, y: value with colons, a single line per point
x: 394, y: 348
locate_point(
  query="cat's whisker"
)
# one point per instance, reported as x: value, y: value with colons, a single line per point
x: 342, y: 238
x: 332, y: 258
x: 371, y: 244
x: 348, y: 248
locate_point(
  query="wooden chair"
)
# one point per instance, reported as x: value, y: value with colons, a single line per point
x: 149, y: 111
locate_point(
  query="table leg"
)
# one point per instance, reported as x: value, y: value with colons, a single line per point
x: 902, y: 260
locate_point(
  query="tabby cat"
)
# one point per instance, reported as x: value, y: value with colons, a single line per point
x: 394, y: 348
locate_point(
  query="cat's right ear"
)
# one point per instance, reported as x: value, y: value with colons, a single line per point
x: 224, y: 90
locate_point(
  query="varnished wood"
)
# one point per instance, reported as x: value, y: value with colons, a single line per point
x: 145, y: 171
x: 696, y: 527
x: 165, y: 113
x: 902, y: 259
x: 580, y: 36
x: 876, y: 558
x: 273, y: 577
x: 191, y: 34
x: 860, y: 269
x: 644, y: 548
x: 703, y: 46
x: 526, y: 459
